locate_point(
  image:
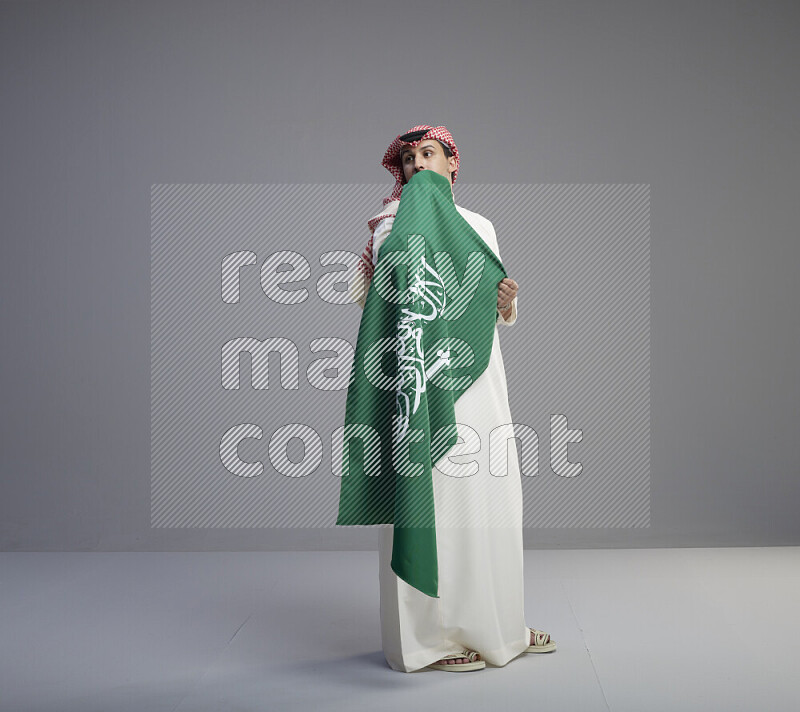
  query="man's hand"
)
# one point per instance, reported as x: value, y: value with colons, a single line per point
x: 506, y: 291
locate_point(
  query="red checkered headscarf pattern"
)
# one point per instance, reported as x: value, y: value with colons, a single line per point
x: 391, y: 161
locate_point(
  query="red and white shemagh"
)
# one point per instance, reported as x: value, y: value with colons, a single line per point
x: 391, y: 161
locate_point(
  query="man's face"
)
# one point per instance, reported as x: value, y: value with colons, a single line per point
x: 427, y: 155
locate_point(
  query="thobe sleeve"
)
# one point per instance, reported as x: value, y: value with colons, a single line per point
x: 382, y: 231
x: 361, y: 299
x: 511, y: 316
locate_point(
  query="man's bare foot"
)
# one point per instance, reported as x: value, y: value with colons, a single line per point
x: 457, y: 661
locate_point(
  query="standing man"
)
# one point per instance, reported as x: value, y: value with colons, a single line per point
x: 478, y: 614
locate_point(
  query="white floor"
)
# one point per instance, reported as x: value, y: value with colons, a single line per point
x: 641, y: 630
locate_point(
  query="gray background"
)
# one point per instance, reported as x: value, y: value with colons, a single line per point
x: 101, y: 100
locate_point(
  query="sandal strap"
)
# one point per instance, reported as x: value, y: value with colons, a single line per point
x: 540, y: 637
x: 471, y: 655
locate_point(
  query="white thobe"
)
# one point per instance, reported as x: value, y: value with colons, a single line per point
x: 478, y: 513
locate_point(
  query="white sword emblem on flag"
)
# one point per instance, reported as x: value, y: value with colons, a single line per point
x: 412, y: 371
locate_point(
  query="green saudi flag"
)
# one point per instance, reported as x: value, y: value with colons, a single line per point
x: 426, y: 334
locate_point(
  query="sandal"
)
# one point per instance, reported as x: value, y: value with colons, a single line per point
x: 473, y: 664
x: 541, y: 642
